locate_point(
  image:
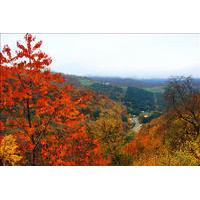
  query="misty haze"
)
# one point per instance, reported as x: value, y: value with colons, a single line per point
x: 120, y: 55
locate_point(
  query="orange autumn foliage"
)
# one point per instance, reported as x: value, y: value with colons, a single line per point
x: 143, y: 142
x: 36, y: 107
x: 146, y: 144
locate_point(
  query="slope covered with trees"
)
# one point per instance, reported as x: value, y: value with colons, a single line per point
x: 138, y: 100
x: 174, y: 138
x: 113, y: 92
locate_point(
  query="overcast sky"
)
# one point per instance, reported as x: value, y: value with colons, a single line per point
x: 122, y: 55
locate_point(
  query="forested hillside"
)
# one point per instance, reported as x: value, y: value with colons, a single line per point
x: 136, y: 99
x: 113, y: 92
x: 173, y: 138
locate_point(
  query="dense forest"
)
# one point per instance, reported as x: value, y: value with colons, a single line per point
x: 48, y: 118
x: 136, y: 98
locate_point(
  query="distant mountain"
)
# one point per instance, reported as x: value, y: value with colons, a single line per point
x: 153, y: 85
x: 128, y: 82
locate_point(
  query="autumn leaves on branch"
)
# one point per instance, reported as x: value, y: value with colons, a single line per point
x: 39, y: 113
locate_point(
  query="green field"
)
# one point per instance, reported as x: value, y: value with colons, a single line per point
x: 85, y: 82
x: 159, y: 89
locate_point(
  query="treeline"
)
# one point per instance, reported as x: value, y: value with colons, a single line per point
x: 130, y: 82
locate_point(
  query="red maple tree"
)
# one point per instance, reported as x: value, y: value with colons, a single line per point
x: 36, y: 106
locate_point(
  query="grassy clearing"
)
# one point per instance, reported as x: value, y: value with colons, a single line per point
x: 159, y: 89
x: 85, y: 82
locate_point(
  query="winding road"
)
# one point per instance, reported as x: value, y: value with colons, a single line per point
x: 137, y: 126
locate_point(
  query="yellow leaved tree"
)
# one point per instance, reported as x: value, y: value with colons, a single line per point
x: 9, y: 152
